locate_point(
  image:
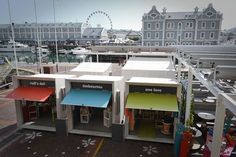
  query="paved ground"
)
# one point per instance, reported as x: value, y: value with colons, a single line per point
x: 7, y: 109
x: 45, y: 144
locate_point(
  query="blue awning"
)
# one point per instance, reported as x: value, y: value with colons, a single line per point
x: 87, y: 97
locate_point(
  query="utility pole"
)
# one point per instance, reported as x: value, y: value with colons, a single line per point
x: 39, y: 45
x: 55, y: 27
x: 13, y: 38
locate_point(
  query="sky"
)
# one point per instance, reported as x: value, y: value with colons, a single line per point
x: 124, y: 14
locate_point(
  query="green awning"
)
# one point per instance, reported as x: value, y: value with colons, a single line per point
x: 151, y: 101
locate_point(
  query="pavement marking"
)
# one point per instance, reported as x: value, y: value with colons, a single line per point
x: 98, y: 148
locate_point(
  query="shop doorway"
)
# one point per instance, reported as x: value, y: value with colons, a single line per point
x: 39, y: 113
x: 150, y: 124
x: 92, y: 118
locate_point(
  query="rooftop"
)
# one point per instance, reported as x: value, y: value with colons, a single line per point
x: 98, y: 78
x: 151, y: 64
x: 148, y: 80
x: 92, y: 67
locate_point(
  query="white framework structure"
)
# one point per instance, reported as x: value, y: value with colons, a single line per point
x: 224, y: 100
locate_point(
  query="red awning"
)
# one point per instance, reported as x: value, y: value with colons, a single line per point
x: 31, y: 93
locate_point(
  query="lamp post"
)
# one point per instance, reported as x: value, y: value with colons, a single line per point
x: 37, y: 34
x: 13, y: 38
x: 55, y: 27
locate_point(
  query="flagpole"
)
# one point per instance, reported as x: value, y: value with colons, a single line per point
x: 13, y: 38
x: 37, y: 33
x: 55, y: 27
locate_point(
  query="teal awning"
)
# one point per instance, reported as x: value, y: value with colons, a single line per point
x: 87, y: 97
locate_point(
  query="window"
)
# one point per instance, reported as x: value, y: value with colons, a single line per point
x: 157, y: 35
x: 213, y: 24
x: 157, y: 25
x: 186, y: 35
x: 149, y: 26
x: 179, y: 25
x: 167, y: 35
x: 148, y: 44
x: 156, y: 43
x: 209, y: 13
x: 153, y: 15
x: 203, y: 24
x: 189, y: 25
x: 148, y: 35
x: 202, y: 35
x: 170, y: 35
x: 190, y: 35
x: 212, y: 34
x: 167, y: 44
x: 170, y: 25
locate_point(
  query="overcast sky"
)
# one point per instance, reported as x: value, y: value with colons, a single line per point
x: 125, y: 14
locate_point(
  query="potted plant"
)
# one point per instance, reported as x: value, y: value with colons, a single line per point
x: 167, y: 123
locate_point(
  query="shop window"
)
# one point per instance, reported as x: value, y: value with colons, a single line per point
x: 107, y: 117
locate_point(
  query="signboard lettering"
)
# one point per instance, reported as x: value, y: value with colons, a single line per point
x: 153, y: 89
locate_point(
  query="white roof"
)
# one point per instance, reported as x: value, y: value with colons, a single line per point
x: 148, y: 80
x: 92, y: 67
x: 98, y: 78
x: 52, y: 76
x: 160, y: 64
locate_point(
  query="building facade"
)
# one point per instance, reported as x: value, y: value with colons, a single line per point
x: 181, y: 28
x: 27, y: 33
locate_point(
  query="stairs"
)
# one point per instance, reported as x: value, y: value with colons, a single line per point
x: 32, y: 109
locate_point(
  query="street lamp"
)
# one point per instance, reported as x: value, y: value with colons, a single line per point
x: 13, y: 37
x: 55, y: 27
x: 37, y: 30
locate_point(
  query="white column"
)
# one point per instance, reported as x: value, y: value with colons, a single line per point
x: 179, y: 71
x: 19, y: 114
x: 218, y: 127
x: 97, y: 58
x: 189, y: 95
x: 69, y: 114
x: 220, y: 24
x: 163, y: 33
x: 142, y: 32
x: 195, y: 35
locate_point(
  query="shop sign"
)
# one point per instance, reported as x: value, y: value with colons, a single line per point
x: 153, y: 89
x: 38, y: 83
x: 91, y: 86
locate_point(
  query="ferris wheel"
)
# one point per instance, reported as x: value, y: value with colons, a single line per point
x: 102, y: 13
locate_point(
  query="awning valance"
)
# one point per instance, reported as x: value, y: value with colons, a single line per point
x: 151, y: 101
x: 87, y: 97
x: 39, y: 94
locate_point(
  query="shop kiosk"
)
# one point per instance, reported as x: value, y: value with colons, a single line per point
x: 94, y: 103
x: 37, y: 100
x: 91, y: 68
x: 148, y: 67
x: 151, y: 108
